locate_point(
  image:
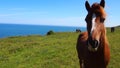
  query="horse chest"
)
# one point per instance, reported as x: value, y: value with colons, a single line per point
x: 94, y: 60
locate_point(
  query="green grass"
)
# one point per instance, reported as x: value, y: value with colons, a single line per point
x: 53, y: 51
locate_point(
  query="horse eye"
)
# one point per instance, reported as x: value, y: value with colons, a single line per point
x: 87, y: 19
x: 102, y: 20
x: 98, y: 13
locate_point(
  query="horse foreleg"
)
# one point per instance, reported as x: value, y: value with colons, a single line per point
x: 81, y: 63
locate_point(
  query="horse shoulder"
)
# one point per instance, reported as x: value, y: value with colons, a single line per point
x: 107, y: 53
x: 81, y: 44
x: 83, y: 37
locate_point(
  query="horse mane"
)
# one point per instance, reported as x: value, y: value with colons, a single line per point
x: 99, y: 9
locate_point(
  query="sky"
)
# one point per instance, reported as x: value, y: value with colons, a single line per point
x: 54, y: 12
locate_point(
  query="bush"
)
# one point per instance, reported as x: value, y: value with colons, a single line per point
x: 78, y: 30
x: 50, y: 32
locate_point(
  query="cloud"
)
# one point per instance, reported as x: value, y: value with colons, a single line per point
x: 68, y: 21
x: 24, y: 14
x: 17, y: 9
x: 8, y: 15
x: 21, y: 16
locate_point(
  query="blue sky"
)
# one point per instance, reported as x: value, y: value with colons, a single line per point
x: 54, y: 12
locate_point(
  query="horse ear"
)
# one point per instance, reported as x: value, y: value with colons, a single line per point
x: 102, y: 3
x: 87, y: 5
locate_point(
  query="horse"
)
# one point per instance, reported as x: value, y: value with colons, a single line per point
x: 112, y: 29
x: 92, y: 46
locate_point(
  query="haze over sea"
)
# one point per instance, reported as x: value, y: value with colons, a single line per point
x: 8, y: 30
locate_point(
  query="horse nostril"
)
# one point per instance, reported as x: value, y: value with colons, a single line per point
x: 95, y: 43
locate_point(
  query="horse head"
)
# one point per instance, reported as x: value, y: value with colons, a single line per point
x: 95, y: 24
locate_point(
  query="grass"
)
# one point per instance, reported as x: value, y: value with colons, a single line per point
x: 53, y: 51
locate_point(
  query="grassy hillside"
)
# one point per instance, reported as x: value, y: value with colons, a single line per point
x: 53, y: 51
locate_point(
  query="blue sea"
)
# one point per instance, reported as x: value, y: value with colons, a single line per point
x: 8, y: 30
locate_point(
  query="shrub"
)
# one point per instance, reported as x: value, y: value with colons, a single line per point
x: 50, y: 32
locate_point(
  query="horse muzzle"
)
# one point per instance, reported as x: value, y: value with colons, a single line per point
x: 93, y: 45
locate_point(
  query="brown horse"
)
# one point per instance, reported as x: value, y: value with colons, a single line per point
x: 92, y: 45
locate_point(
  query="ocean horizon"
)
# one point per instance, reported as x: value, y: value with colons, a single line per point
x: 9, y: 30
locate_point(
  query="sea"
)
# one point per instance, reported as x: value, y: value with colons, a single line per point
x: 9, y: 30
